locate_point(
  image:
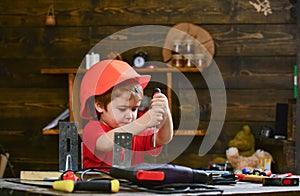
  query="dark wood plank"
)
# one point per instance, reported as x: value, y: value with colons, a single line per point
x: 264, y: 72
x: 234, y: 40
x: 242, y: 104
x: 241, y: 40
x: 88, y: 13
x: 32, y: 102
x: 261, y: 40
x: 20, y: 42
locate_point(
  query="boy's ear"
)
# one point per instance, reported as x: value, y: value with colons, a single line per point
x: 99, y: 107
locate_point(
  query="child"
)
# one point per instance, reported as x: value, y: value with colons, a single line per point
x: 110, y: 94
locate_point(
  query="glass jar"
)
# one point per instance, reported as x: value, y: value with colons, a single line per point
x: 188, y: 60
x: 199, y: 60
x: 189, y: 46
x: 176, y: 46
x: 177, y: 60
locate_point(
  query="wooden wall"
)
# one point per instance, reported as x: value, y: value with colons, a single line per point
x: 255, y: 54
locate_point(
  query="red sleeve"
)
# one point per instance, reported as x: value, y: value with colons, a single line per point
x: 92, y: 158
x: 92, y: 131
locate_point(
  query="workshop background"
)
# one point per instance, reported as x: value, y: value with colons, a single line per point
x: 255, y: 48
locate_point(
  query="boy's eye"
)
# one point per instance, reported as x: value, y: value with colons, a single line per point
x: 122, y: 109
x: 134, y: 109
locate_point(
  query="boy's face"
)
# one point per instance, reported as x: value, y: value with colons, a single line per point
x: 120, y: 111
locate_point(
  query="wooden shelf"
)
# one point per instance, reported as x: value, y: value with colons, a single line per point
x: 176, y: 132
x: 158, y: 69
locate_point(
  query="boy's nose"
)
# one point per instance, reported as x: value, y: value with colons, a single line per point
x: 129, y: 114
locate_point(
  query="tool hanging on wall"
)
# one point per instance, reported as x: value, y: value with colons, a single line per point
x: 65, y: 114
x: 50, y: 17
x: 103, y: 185
x: 68, y: 146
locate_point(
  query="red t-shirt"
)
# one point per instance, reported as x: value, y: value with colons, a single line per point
x: 141, y: 144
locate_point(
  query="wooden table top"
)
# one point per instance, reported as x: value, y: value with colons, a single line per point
x: 7, y: 187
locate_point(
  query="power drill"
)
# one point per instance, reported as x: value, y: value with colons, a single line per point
x: 149, y: 175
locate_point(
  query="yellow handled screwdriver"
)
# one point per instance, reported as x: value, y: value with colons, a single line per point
x: 107, y: 185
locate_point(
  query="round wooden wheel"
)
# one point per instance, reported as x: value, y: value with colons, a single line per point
x: 203, y: 41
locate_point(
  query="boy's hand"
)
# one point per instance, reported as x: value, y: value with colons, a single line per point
x: 161, y: 101
x: 159, y: 108
x: 153, y: 117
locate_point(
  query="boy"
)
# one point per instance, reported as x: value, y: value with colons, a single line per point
x: 110, y: 94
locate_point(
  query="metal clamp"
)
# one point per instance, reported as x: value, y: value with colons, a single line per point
x: 122, y: 150
x: 68, y: 146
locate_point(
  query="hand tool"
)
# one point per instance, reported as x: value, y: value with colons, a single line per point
x: 250, y: 177
x: 149, y: 175
x: 284, y: 181
x: 155, y: 91
x: 68, y: 146
x: 107, y: 185
x: 282, y: 175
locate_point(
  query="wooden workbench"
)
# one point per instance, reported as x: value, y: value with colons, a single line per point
x: 241, y: 188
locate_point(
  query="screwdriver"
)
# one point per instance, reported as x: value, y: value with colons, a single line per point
x: 108, y: 185
x: 155, y: 91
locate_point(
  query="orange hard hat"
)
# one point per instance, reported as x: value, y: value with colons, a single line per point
x: 101, y: 77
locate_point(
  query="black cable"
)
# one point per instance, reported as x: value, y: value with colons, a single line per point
x: 8, y: 161
x: 84, y: 171
x: 94, y: 169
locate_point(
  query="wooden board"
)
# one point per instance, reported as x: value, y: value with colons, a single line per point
x: 41, y: 183
x: 39, y: 175
x: 136, y: 12
x: 28, y: 176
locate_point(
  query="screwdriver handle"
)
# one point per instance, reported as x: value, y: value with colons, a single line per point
x: 108, y: 186
x: 156, y: 90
